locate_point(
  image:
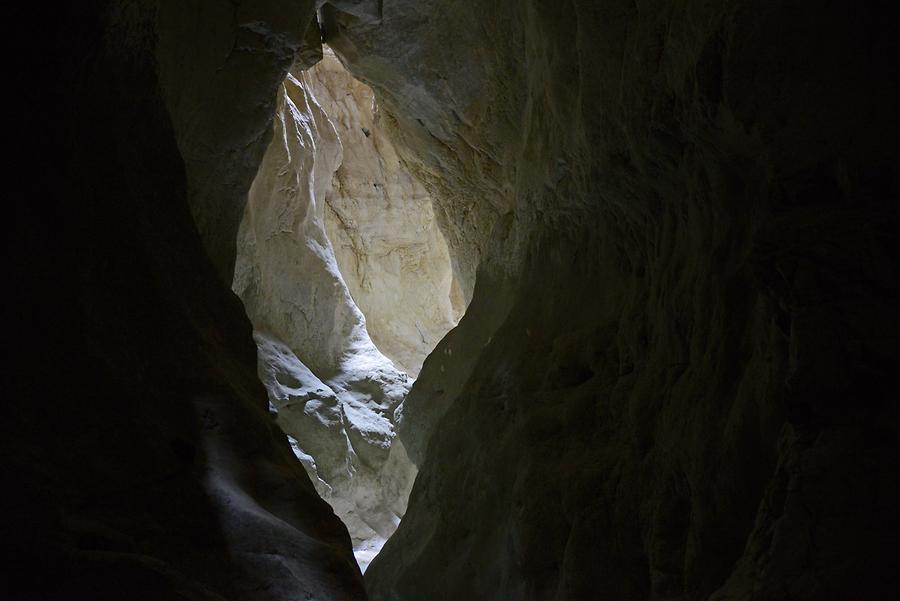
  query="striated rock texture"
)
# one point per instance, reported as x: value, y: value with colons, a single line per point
x: 334, y: 392
x: 380, y: 221
x: 674, y: 379
x: 139, y: 460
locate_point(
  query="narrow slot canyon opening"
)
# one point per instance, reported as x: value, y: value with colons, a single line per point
x: 675, y: 375
x: 348, y: 282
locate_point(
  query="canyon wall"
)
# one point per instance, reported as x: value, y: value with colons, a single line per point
x: 334, y: 393
x: 139, y: 457
x: 330, y: 174
x: 381, y: 223
x: 677, y: 225
x: 674, y: 377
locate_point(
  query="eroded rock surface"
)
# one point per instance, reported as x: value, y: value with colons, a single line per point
x: 334, y: 392
x: 677, y: 223
x: 672, y: 381
x: 381, y: 224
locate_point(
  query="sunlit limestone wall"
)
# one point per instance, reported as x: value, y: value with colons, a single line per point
x: 382, y: 226
x: 672, y: 381
x: 336, y: 394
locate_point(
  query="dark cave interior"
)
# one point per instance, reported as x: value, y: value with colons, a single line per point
x: 677, y: 222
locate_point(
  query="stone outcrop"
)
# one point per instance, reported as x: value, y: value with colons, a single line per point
x: 673, y: 377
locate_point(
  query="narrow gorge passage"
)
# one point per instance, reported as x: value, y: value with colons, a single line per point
x: 348, y: 283
x: 673, y: 226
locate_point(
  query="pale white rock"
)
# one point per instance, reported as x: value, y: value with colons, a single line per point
x: 334, y: 392
x: 380, y: 219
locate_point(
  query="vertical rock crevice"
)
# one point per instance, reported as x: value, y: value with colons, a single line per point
x: 677, y: 225
x: 330, y: 174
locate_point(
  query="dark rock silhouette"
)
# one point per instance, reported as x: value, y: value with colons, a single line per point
x: 677, y: 223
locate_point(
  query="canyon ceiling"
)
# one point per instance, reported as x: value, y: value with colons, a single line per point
x: 673, y: 225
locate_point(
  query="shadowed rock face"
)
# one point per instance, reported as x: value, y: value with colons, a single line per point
x: 139, y: 458
x: 674, y: 377
x: 216, y: 63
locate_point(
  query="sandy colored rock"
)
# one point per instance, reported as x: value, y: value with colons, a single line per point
x: 334, y: 393
x: 381, y: 223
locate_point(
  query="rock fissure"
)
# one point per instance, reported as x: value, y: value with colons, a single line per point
x: 614, y: 280
x: 368, y: 275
